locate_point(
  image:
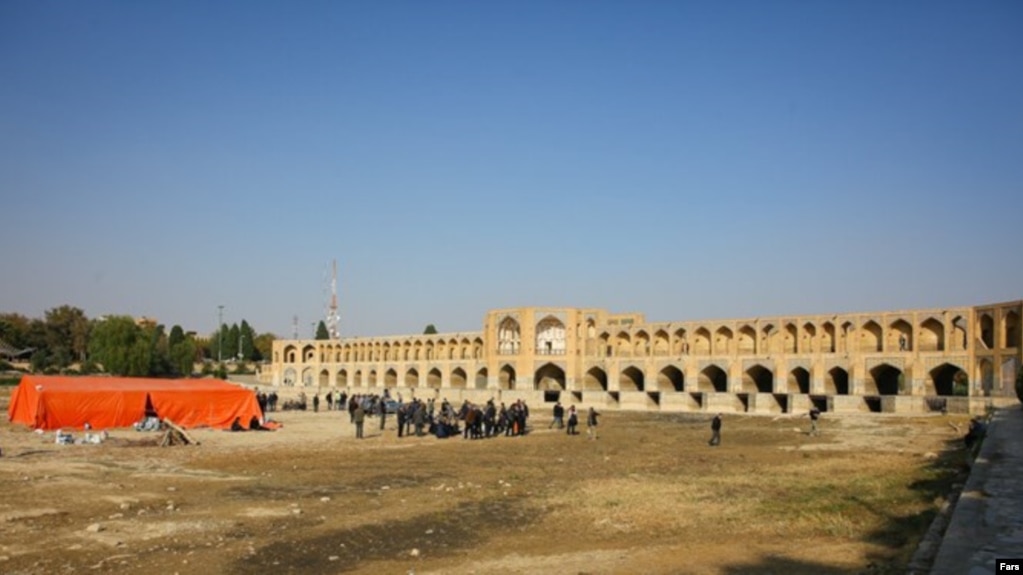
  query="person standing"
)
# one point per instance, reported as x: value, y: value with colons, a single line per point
x: 573, y: 421
x: 559, y: 416
x: 591, y: 423
x: 715, y: 430
x: 400, y: 414
x: 316, y: 403
x: 359, y: 417
x: 815, y: 414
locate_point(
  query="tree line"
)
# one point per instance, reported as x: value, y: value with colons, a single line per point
x: 65, y: 340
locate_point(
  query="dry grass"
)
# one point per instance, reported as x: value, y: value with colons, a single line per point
x: 648, y: 497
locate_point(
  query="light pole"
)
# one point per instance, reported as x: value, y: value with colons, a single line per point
x: 220, y: 334
x: 241, y: 338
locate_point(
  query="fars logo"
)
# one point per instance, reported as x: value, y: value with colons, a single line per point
x: 1009, y: 565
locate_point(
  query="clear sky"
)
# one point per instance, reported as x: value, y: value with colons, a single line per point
x: 687, y: 160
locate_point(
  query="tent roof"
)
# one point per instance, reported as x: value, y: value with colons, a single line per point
x: 50, y: 402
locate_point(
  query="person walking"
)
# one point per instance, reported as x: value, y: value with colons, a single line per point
x: 815, y: 414
x: 559, y: 417
x: 359, y: 417
x: 715, y: 430
x: 591, y: 424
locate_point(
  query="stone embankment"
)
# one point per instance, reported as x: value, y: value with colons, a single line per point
x: 987, y: 523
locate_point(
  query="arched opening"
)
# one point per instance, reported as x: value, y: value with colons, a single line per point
x: 799, y: 381
x: 901, y: 334
x: 324, y: 378
x: 723, y: 341
x: 549, y: 378
x: 758, y: 379
x: 671, y: 379
x: 641, y: 344
x: 828, y: 338
x: 711, y: 379
x: 372, y: 378
x: 809, y: 337
x: 747, y: 340
x: 550, y: 336
x: 357, y: 378
x: 661, y: 346
x: 506, y: 377
x: 836, y: 382
x: 458, y: 378
x: 595, y: 380
x: 342, y: 378
x: 791, y: 340
x: 631, y: 379
x: 508, y: 337
x: 768, y: 339
x: 290, y: 377
x: 958, y: 334
x: 701, y: 343
x: 884, y: 380
x: 1010, y: 325
x: 870, y: 337
x: 987, y: 331
x: 604, y: 348
x: 932, y: 335
x: 412, y: 378
x: 623, y: 345
x: 481, y: 378
x: 308, y: 353
x: 948, y: 379
x: 433, y: 379
x: 680, y: 345
x: 289, y: 354
x: 391, y: 379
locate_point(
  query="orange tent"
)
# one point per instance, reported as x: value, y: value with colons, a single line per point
x: 52, y: 402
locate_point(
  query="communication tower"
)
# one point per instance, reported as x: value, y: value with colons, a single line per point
x: 333, y: 319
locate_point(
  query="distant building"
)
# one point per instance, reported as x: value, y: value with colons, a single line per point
x: 905, y: 361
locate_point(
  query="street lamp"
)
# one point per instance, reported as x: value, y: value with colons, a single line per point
x: 241, y: 338
x: 220, y: 334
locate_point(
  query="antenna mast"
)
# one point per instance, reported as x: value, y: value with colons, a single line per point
x: 333, y: 319
x: 294, y: 327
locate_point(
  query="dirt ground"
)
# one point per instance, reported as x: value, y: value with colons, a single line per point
x: 648, y: 496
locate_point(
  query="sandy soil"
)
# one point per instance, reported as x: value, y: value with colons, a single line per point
x: 649, y: 496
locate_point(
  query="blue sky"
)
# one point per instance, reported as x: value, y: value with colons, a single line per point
x: 687, y: 160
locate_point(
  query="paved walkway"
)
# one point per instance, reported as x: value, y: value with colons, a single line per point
x: 988, y: 520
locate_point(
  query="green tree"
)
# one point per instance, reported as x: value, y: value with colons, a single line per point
x: 321, y: 331
x: 430, y: 329
x: 177, y: 335
x: 118, y: 345
x: 264, y: 345
x: 248, y: 341
x: 67, y: 328
x: 232, y: 341
x: 14, y: 329
x: 182, y: 357
x: 39, y: 360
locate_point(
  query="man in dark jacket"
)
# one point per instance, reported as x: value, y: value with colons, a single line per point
x: 715, y: 430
